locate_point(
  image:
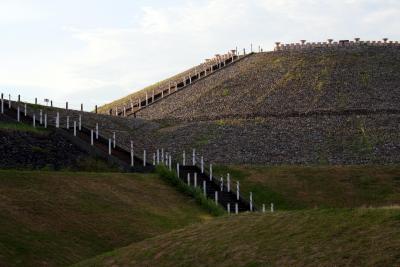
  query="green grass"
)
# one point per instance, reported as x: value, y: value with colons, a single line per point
x: 360, y: 237
x: 60, y: 218
x: 22, y: 127
x: 300, y: 187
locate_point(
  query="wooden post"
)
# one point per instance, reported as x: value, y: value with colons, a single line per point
x: 45, y: 120
x: 216, y: 197
x: 263, y: 208
x: 67, y: 122
x: 204, y: 188
x: 74, y: 128
x: 251, y: 201
x: 9, y: 101
x: 97, y: 131
x: 236, y: 208
x: 95, y: 109
x: 19, y: 98
x: 34, y: 121
x: 144, y: 158
x: 177, y: 170
x: 195, y: 179
x: 114, y: 140
x: 194, y: 157
x: 40, y: 117
x: 132, y: 155
x: 228, y: 208
x: 91, y: 137
x: 109, y: 146
x: 18, y: 119
x: 66, y: 105
x: 154, y: 159
x: 80, y: 123
x: 162, y: 154
x: 188, y: 179
x: 221, y: 185
x: 51, y: 103
x: 228, y: 182
x: 237, y: 190
x: 81, y: 107
x: 35, y: 100
x: 210, y: 172
x: 25, y: 110
x: 158, y: 157
x: 170, y: 163
x: 184, y: 158
x: 272, y: 207
x: 202, y: 164
x: 58, y: 120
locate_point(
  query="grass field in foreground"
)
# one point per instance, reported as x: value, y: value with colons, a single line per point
x: 344, y: 237
x: 58, y: 218
x: 299, y: 187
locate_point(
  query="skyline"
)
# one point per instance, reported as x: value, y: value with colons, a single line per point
x: 96, y: 52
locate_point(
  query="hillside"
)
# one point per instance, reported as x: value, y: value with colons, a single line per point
x: 290, y: 82
x: 60, y: 218
x: 365, y: 237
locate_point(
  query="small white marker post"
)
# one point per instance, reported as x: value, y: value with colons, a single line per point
x: 114, y: 140
x: 202, y: 164
x: 237, y: 190
x: 188, y: 179
x: 236, y: 208
x: 263, y: 208
x: 158, y: 157
x: 67, y: 122
x: 228, y: 208
x: 97, y: 131
x: 170, y: 163
x: 204, y: 188
x: 162, y: 154
x: 177, y: 169
x: 34, y: 121
x: 216, y: 197
x: 132, y: 155
x: 109, y: 146
x: 25, y: 110
x: 80, y: 122
x: 195, y: 179
x: 91, y: 137
x: 74, y: 128
x: 228, y: 182
x: 144, y: 158
x: 194, y: 157
x: 18, y: 119
x: 184, y: 158
x: 251, y: 201
x: 154, y: 159
x: 58, y: 120
x: 221, y: 185
x: 210, y: 172
x: 40, y: 117
x: 45, y: 120
x: 272, y: 207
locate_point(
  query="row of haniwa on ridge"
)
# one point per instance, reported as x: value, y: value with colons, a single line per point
x: 334, y: 44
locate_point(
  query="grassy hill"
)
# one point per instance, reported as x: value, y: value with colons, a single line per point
x: 60, y: 218
x: 302, y: 187
x: 361, y: 237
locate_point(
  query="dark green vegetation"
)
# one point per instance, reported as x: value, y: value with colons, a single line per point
x: 190, y: 191
x: 57, y: 218
x: 11, y: 126
x: 363, y: 237
x: 301, y: 187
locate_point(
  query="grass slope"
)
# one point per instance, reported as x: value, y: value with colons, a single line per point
x: 57, y: 219
x: 364, y: 237
x: 298, y: 187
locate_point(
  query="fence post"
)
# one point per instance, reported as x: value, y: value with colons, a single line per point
x: 67, y: 122
x: 97, y: 131
x: 162, y: 155
x: 18, y: 114
x: 144, y: 158
x: 184, y: 158
x: 158, y: 157
x: 210, y: 172
x: 221, y: 183
x: 80, y: 123
x: 188, y: 179
x: 25, y: 109
x: 228, y: 207
x: 45, y: 120
x: 95, y: 109
x: 114, y: 141
x: 51, y: 103
x: 202, y: 164
x: 74, y: 128
x: 34, y: 121
x: 154, y: 159
x: 35, y: 100
x: 66, y: 105
x: 195, y: 179
x: 81, y: 107
x: 109, y: 146
x: 272, y: 207
x: 237, y: 190
x: 251, y: 201
x: 228, y: 182
x: 236, y: 208
x: 132, y: 155
x: 177, y: 170
x: 216, y: 197
x: 205, y: 188
x: 194, y: 157
x: 58, y: 120
x: 263, y: 208
x: 9, y: 101
x: 40, y: 117
x: 170, y: 163
x: 91, y: 137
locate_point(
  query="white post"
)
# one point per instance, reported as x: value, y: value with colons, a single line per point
x: 263, y: 208
x: 184, y: 158
x: 210, y: 172
x: 222, y: 184
x: 114, y: 140
x: 58, y: 120
x: 109, y: 146
x: 67, y: 122
x: 188, y: 179
x: 154, y: 159
x: 144, y: 158
x: 236, y: 208
x: 91, y: 137
x: 202, y: 164
x: 25, y: 110
x: 177, y: 169
x: 97, y: 131
x: 194, y: 157
x: 162, y: 154
x: 195, y: 179
x: 251, y: 201
x: 34, y: 121
x: 228, y: 182
x: 204, y: 188
x: 45, y: 120
x: 74, y: 128
x: 237, y: 190
x: 40, y: 117
x: 18, y: 114
x: 80, y: 123
x: 158, y: 157
x: 228, y: 207
x: 132, y: 155
x: 216, y: 197
x: 170, y: 163
x: 272, y: 207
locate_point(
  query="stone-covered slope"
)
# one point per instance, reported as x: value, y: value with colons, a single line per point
x: 290, y: 82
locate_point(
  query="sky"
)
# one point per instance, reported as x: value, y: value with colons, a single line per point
x: 96, y: 51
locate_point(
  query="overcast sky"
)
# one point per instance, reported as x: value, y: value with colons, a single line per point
x: 94, y: 51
